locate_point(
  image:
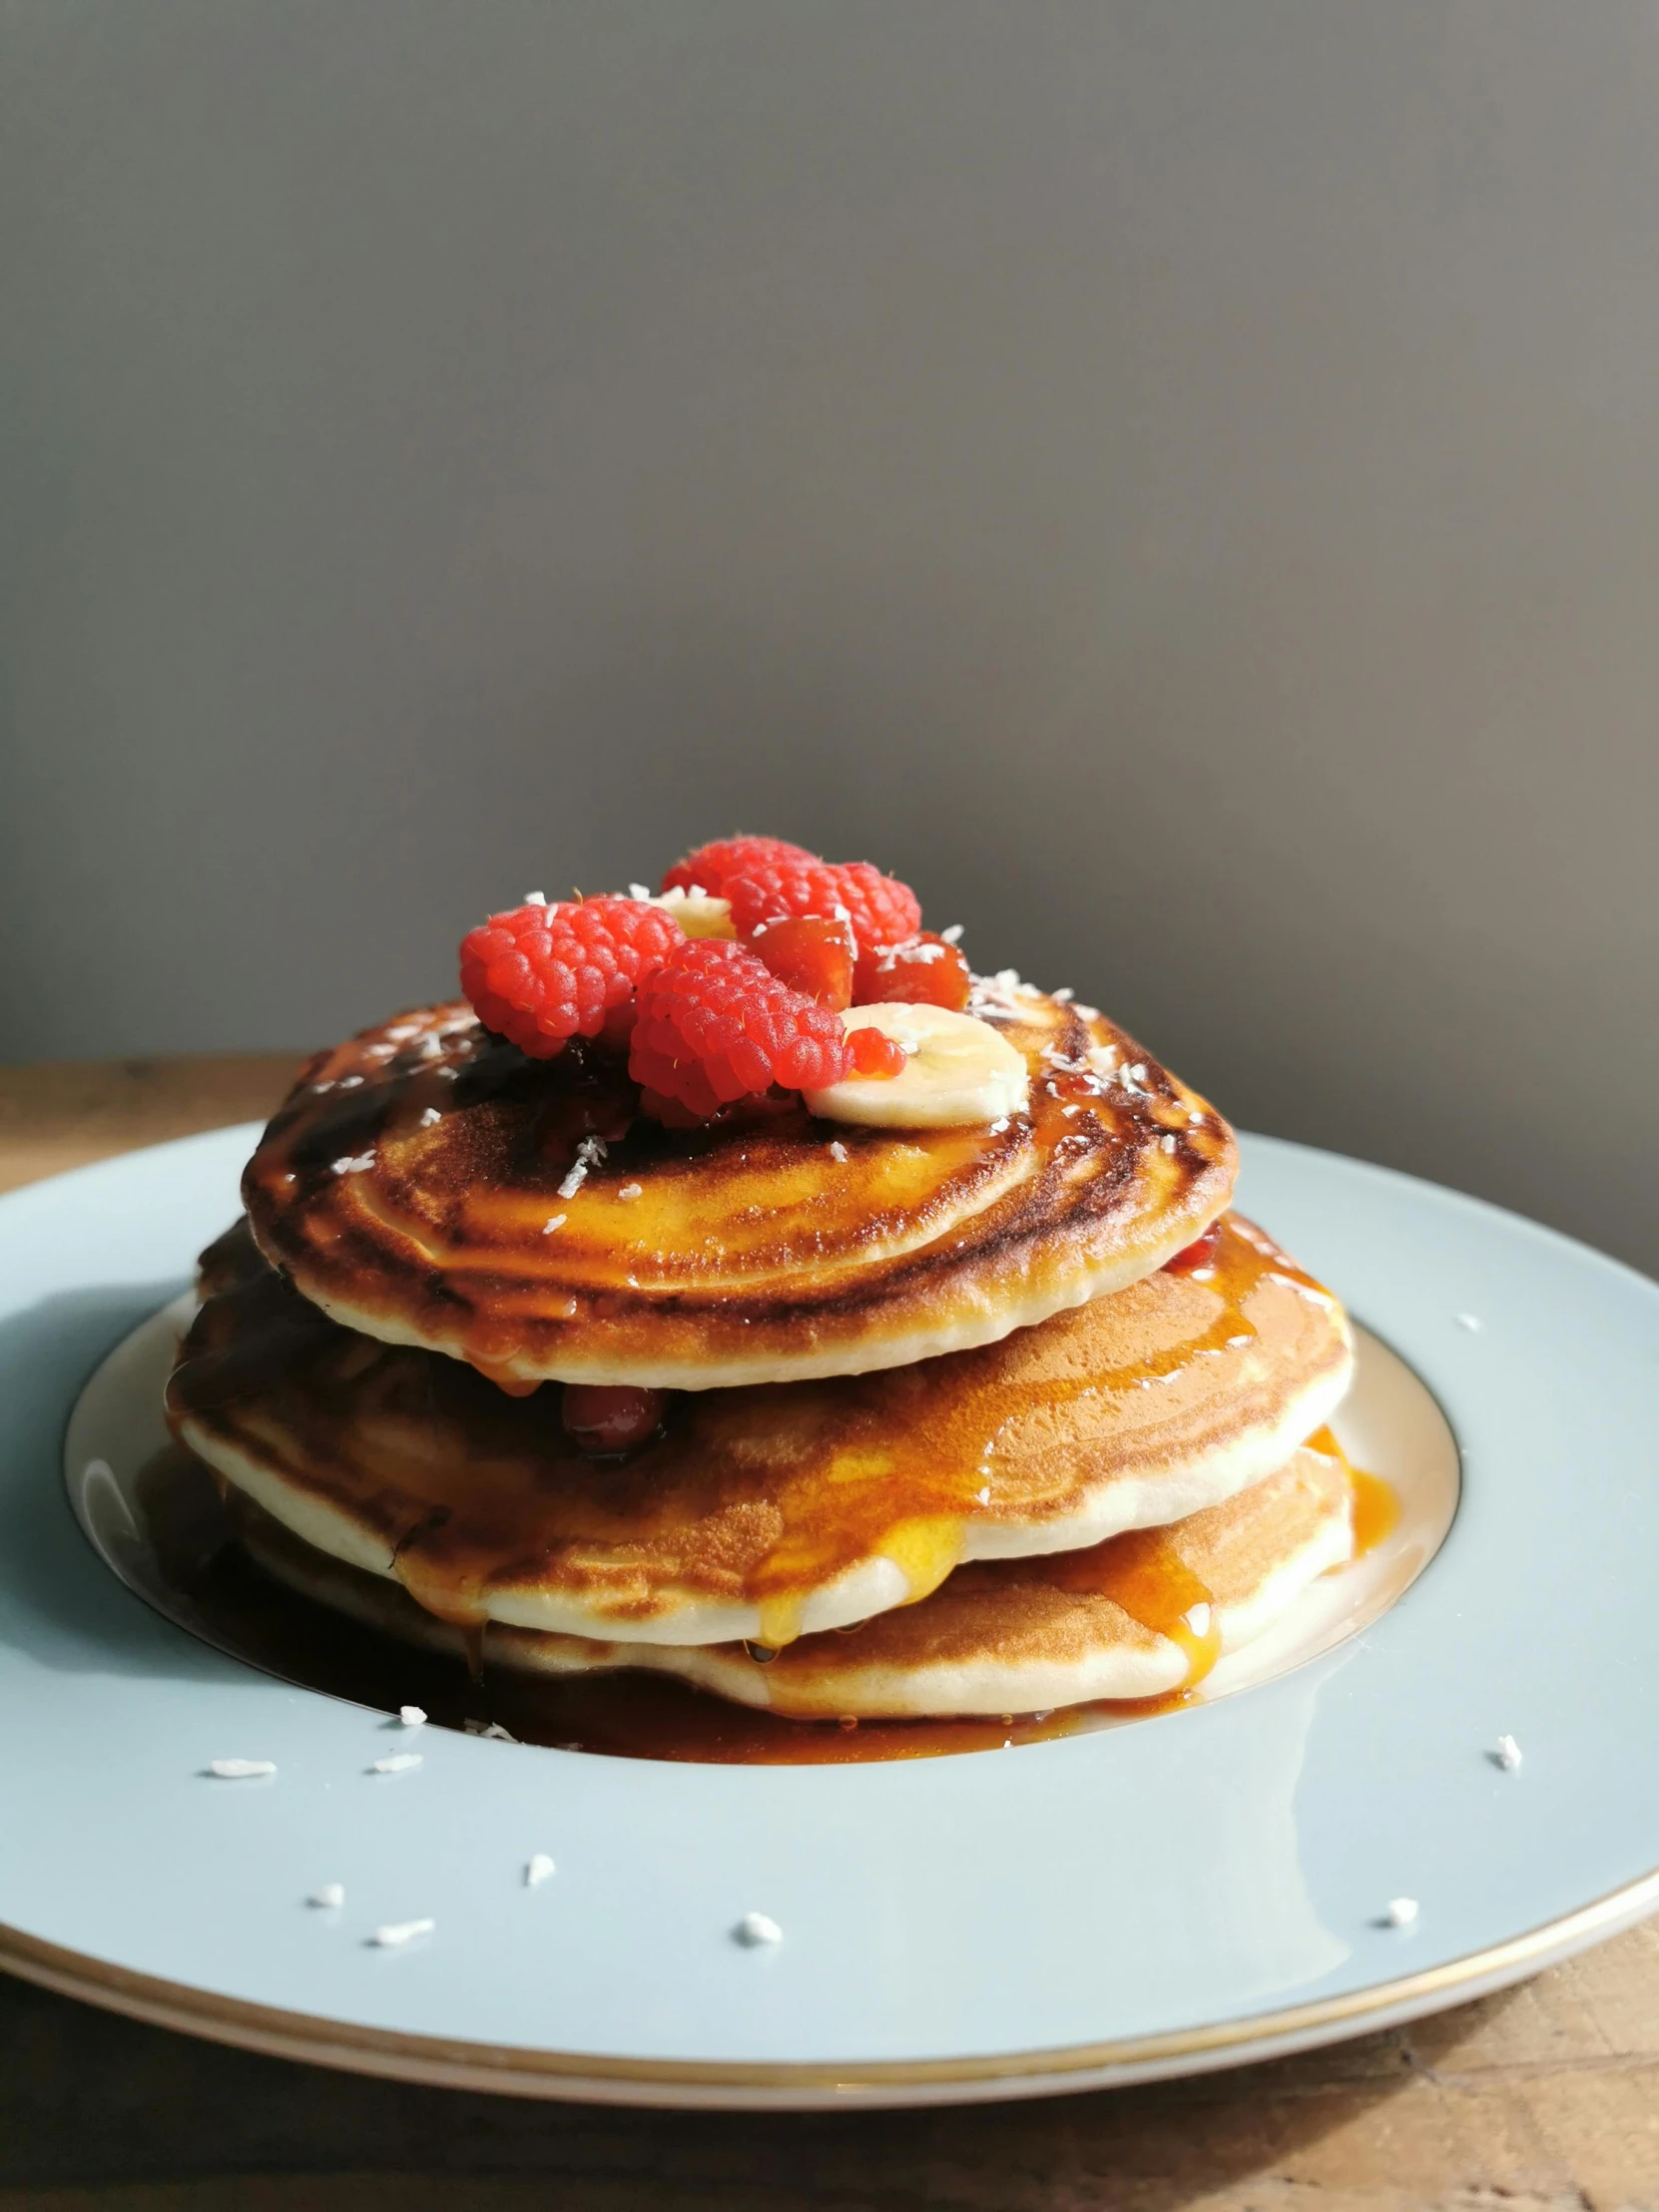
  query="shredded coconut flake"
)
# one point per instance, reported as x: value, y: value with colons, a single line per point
x: 412, y: 1716
x: 353, y: 1163
x: 396, y: 1933
x: 983, y: 1496
x: 330, y: 1896
x: 1167, y: 1144
x: 1063, y: 997
x: 756, y: 1929
x: 427, y: 1119
x: 398, y: 1761
x: 1402, y: 1912
x: 557, y: 1222
x: 952, y: 936
x: 588, y: 1153
x: 241, y: 1770
x: 535, y: 898
x: 631, y: 1189
x: 491, y: 1731
x: 639, y: 890
x: 1507, y: 1754
x: 539, y: 1869
x: 838, y: 1151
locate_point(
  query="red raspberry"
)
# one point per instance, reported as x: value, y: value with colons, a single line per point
x: 874, y: 1054
x: 715, y: 1025
x: 881, y: 909
x: 813, y: 958
x: 923, y: 972
x: 541, y: 975
x: 711, y: 866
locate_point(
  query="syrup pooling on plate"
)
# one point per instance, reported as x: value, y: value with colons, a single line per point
x: 761, y: 1495
x: 627, y: 1714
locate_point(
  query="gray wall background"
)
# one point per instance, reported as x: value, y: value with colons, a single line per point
x: 1178, y: 481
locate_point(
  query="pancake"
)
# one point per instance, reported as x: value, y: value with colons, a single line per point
x: 773, y: 1510
x: 426, y: 1183
x: 1140, y: 1616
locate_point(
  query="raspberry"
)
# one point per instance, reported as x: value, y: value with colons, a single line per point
x: 541, y: 975
x: 712, y: 865
x: 923, y: 972
x: 883, y: 911
x: 874, y: 1054
x: 715, y: 1025
x: 813, y: 958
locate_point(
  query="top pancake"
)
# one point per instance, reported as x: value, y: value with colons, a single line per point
x: 409, y: 1183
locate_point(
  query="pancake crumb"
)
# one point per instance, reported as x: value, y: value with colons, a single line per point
x: 1470, y: 1322
x: 398, y: 1761
x: 539, y: 1868
x: 330, y: 1896
x: 412, y: 1716
x: 241, y: 1770
x: 756, y: 1929
x: 1507, y: 1754
x: 396, y: 1933
x: 1402, y: 1912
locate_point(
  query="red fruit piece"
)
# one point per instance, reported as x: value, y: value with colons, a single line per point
x: 874, y: 1053
x: 813, y: 956
x: 923, y: 972
x: 711, y: 866
x: 881, y: 908
x: 541, y: 975
x: 604, y: 1418
x: 716, y: 1026
x: 1200, y: 1253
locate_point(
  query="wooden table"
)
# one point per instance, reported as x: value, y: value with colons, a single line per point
x: 1546, y: 2096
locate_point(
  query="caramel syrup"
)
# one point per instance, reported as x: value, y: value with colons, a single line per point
x: 221, y: 1593
x: 801, y: 1481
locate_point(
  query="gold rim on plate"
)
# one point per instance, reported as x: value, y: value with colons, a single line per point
x: 516, y: 2070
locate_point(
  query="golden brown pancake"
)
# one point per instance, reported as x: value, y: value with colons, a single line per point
x: 772, y: 1510
x: 411, y: 1183
x: 1137, y: 1617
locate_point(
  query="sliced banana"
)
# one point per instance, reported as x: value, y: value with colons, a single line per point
x: 699, y: 913
x: 959, y: 1070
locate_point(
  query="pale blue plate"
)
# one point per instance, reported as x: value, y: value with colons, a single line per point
x: 1189, y: 1892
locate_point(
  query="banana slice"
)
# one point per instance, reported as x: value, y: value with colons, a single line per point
x: 959, y: 1070
x: 699, y: 913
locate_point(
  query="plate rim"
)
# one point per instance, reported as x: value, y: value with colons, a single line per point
x: 523, y: 2070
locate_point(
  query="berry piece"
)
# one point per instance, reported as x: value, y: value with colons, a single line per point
x: 541, y: 975
x: 880, y: 909
x: 1201, y: 1252
x: 874, y: 1054
x: 716, y: 1026
x: 923, y: 972
x: 712, y: 867
x: 602, y: 1419
x: 812, y: 955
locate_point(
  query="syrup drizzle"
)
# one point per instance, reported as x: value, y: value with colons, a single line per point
x: 218, y: 1589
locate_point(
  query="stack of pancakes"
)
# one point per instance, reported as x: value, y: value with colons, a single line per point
x: 944, y: 1431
